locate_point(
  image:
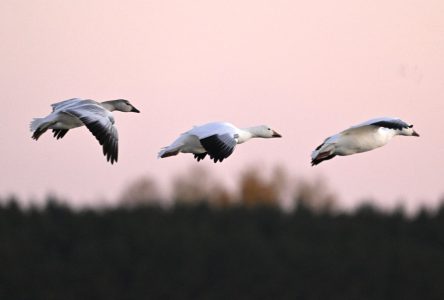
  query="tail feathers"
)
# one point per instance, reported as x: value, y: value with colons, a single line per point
x: 322, y: 152
x: 167, y: 151
x: 321, y: 157
x: 38, y: 126
x: 35, y: 123
x: 38, y: 133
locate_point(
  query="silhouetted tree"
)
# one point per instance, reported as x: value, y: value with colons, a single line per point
x: 141, y: 191
x: 254, y: 190
x: 315, y: 195
x: 199, y: 186
x: 197, y: 252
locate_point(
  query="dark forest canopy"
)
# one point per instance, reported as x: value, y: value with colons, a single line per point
x: 200, y: 252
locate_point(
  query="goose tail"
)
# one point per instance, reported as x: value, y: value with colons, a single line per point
x: 38, y: 127
x: 167, y: 151
x: 323, y: 152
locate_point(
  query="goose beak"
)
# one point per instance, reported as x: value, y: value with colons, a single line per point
x: 415, y: 133
x: 135, y: 110
x: 275, y: 134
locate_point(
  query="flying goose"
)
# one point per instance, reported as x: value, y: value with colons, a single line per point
x: 363, y: 137
x: 217, y: 139
x: 96, y: 116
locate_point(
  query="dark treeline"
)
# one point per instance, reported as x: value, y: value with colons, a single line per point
x: 200, y: 252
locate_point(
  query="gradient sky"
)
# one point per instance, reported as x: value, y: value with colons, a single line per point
x: 306, y: 68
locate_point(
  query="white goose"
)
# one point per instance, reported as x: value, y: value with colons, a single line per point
x: 363, y: 137
x: 217, y: 139
x: 96, y: 116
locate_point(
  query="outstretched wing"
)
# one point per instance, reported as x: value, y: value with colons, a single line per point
x: 69, y: 103
x: 218, y: 146
x: 391, y: 124
x: 101, y: 124
x: 375, y: 124
x: 386, y: 122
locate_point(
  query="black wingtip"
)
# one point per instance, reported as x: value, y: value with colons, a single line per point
x: 59, y: 133
x: 218, y: 147
x: 111, y: 157
x: 396, y: 125
x: 217, y: 159
x: 200, y: 156
x: 111, y: 153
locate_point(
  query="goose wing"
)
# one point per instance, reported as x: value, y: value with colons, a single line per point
x: 101, y: 124
x: 374, y: 124
x: 219, y: 146
x: 67, y: 103
x: 385, y: 122
x: 393, y: 123
x: 218, y: 139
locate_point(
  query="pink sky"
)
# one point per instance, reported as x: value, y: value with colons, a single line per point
x: 308, y: 69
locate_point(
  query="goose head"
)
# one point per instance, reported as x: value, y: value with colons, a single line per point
x: 264, y: 131
x: 409, y: 131
x: 121, y: 105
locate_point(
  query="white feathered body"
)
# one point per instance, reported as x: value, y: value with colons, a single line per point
x: 352, y: 142
x: 218, y: 139
x: 363, y: 137
x: 60, y: 119
x: 189, y: 141
x: 97, y: 117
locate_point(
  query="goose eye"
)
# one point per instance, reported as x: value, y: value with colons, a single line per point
x: 410, y: 126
